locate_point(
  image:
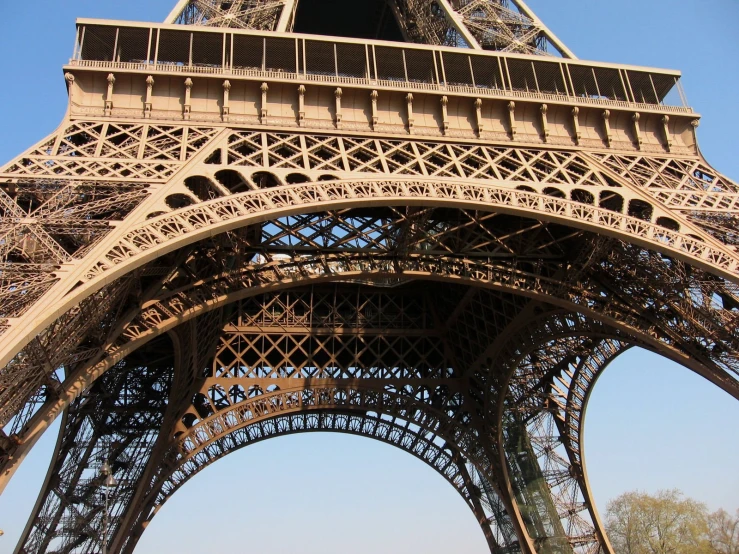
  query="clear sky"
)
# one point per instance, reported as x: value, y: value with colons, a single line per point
x: 651, y: 424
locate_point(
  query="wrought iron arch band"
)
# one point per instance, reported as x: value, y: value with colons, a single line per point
x: 327, y: 396
x: 501, y: 278
x: 117, y: 256
x: 191, y: 449
x: 420, y: 443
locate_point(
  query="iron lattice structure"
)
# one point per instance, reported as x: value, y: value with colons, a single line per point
x: 237, y: 234
x: 505, y: 25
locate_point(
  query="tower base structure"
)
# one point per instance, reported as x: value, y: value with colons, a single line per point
x: 237, y: 234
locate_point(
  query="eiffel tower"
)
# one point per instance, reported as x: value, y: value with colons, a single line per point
x: 421, y: 221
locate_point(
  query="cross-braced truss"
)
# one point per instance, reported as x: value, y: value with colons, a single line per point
x: 180, y: 290
x: 504, y: 25
x: 117, y: 420
x: 262, y: 15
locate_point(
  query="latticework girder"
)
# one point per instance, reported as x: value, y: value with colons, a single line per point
x: 117, y: 420
x: 503, y: 25
x: 262, y: 15
x: 213, y: 250
x: 541, y: 426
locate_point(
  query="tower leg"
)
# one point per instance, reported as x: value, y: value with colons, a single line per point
x: 117, y: 419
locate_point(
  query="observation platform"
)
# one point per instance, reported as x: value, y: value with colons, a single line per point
x: 175, y: 72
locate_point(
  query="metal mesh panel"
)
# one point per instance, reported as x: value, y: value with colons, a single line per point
x: 390, y: 66
x: 207, y: 49
x: 549, y: 78
x: 174, y: 47
x: 352, y: 60
x: 98, y: 43
x: 248, y: 52
x: 319, y: 58
x: 487, y: 72
x: 610, y: 84
x: 133, y: 45
x: 420, y: 66
x: 457, y: 69
x: 522, y: 75
x: 642, y: 87
x: 672, y: 96
x: 583, y: 80
x: 666, y: 85
x: 280, y: 55
x: 301, y: 56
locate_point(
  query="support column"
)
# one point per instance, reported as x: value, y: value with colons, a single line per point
x: 287, y: 19
x: 117, y: 419
x: 458, y: 23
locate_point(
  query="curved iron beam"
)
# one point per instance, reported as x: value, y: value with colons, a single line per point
x: 480, y: 274
x: 118, y: 255
x: 449, y: 465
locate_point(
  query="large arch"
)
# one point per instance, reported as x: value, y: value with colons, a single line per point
x: 130, y: 228
x: 302, y: 267
x: 160, y: 318
x: 568, y: 324
x: 278, y: 418
x: 146, y: 240
x: 537, y: 281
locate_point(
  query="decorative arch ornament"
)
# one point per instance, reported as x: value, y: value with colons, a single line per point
x: 491, y: 246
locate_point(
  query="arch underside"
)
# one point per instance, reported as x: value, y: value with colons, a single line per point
x: 485, y: 310
x: 532, y: 447
x: 299, y: 360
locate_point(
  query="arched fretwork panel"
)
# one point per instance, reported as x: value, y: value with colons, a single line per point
x: 458, y: 246
x: 222, y: 269
x: 444, y: 458
x: 354, y: 349
x: 517, y: 179
x: 558, y: 474
x: 396, y: 245
x: 187, y: 225
x: 400, y: 351
x: 290, y: 310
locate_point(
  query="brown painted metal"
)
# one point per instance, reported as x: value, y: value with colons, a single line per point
x: 212, y: 251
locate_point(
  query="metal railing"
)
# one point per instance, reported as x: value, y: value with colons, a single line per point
x: 339, y: 80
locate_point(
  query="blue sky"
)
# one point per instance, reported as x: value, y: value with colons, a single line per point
x: 651, y: 424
